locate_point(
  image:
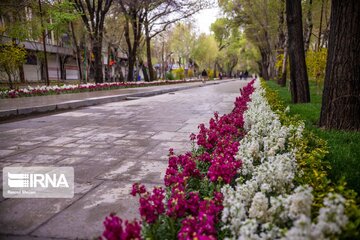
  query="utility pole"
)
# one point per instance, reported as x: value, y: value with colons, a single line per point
x: 44, y: 45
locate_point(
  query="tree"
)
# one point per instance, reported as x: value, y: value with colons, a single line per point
x: 205, y: 51
x: 259, y: 20
x: 282, y: 45
x: 182, y: 42
x: 61, y: 15
x: 160, y: 14
x: 222, y: 29
x: 299, y: 85
x: 341, y: 95
x: 18, y: 26
x: 308, y: 25
x: 93, y: 15
x: 11, y: 57
x: 134, y: 13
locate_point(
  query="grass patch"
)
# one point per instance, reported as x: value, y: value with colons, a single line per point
x: 344, y: 147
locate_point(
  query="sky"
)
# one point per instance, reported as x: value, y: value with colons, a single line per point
x: 204, y: 18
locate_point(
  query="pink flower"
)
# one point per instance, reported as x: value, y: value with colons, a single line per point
x: 138, y: 189
x: 152, y: 205
x: 114, y: 229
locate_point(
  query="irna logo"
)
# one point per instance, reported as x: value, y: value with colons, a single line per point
x: 38, y: 182
x: 30, y: 180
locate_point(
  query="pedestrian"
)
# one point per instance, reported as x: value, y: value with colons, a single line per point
x: 220, y: 75
x: 204, y: 76
x: 246, y: 74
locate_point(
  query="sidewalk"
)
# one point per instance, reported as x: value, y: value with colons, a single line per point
x: 13, y: 107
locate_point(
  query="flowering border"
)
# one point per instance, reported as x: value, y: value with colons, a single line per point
x: 248, y: 178
x: 191, y: 205
x: 89, y: 87
x: 268, y: 202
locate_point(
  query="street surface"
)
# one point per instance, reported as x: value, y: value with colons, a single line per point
x: 110, y: 147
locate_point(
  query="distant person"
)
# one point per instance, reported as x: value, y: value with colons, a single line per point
x: 220, y: 76
x: 204, y: 76
x: 246, y: 74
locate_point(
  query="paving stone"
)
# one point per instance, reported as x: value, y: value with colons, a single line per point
x: 71, y: 160
x: 84, y: 218
x: 4, y: 153
x: 164, y: 135
x: 48, y: 159
x: 21, y: 216
x: 138, y: 170
x: 61, y: 141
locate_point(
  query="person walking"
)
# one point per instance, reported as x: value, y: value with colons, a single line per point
x: 204, y: 76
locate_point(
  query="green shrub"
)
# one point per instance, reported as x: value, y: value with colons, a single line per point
x: 179, y: 73
x: 190, y: 73
x: 313, y: 170
x: 210, y: 74
x: 316, y: 64
x: 169, y: 76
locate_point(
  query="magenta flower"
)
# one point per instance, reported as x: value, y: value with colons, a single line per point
x: 114, y: 229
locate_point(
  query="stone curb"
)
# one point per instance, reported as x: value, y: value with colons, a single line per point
x: 4, y: 114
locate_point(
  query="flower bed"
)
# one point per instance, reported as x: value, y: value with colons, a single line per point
x: 89, y: 87
x: 193, y: 181
x: 271, y: 199
x: 255, y: 174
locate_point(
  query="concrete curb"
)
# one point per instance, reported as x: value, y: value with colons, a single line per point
x: 4, y: 114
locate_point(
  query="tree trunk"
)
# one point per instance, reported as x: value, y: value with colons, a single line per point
x: 299, y: 83
x: 264, y: 65
x: 341, y: 95
x: 47, y: 80
x: 282, y: 79
x: 97, y: 47
x: 11, y: 86
x: 77, y: 50
x: 320, y: 27
x: 21, y: 73
x: 148, y: 53
x: 215, y: 73
x: 132, y: 44
x: 146, y: 76
x: 280, y: 47
x: 62, y: 67
x: 308, y: 26
x: 131, y: 63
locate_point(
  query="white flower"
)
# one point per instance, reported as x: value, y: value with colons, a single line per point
x: 265, y: 199
x: 259, y: 206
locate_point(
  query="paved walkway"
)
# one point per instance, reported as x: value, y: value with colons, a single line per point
x: 110, y: 147
x: 25, y: 105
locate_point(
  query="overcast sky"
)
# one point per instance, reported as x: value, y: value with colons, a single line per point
x: 205, y: 18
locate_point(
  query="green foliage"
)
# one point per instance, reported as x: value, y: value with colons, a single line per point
x: 313, y: 155
x: 164, y: 228
x: 205, y: 51
x: 182, y: 40
x: 210, y: 74
x: 190, y: 73
x: 11, y: 58
x: 61, y: 13
x: 169, y: 76
x: 179, y: 73
x: 221, y: 29
x: 316, y: 64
